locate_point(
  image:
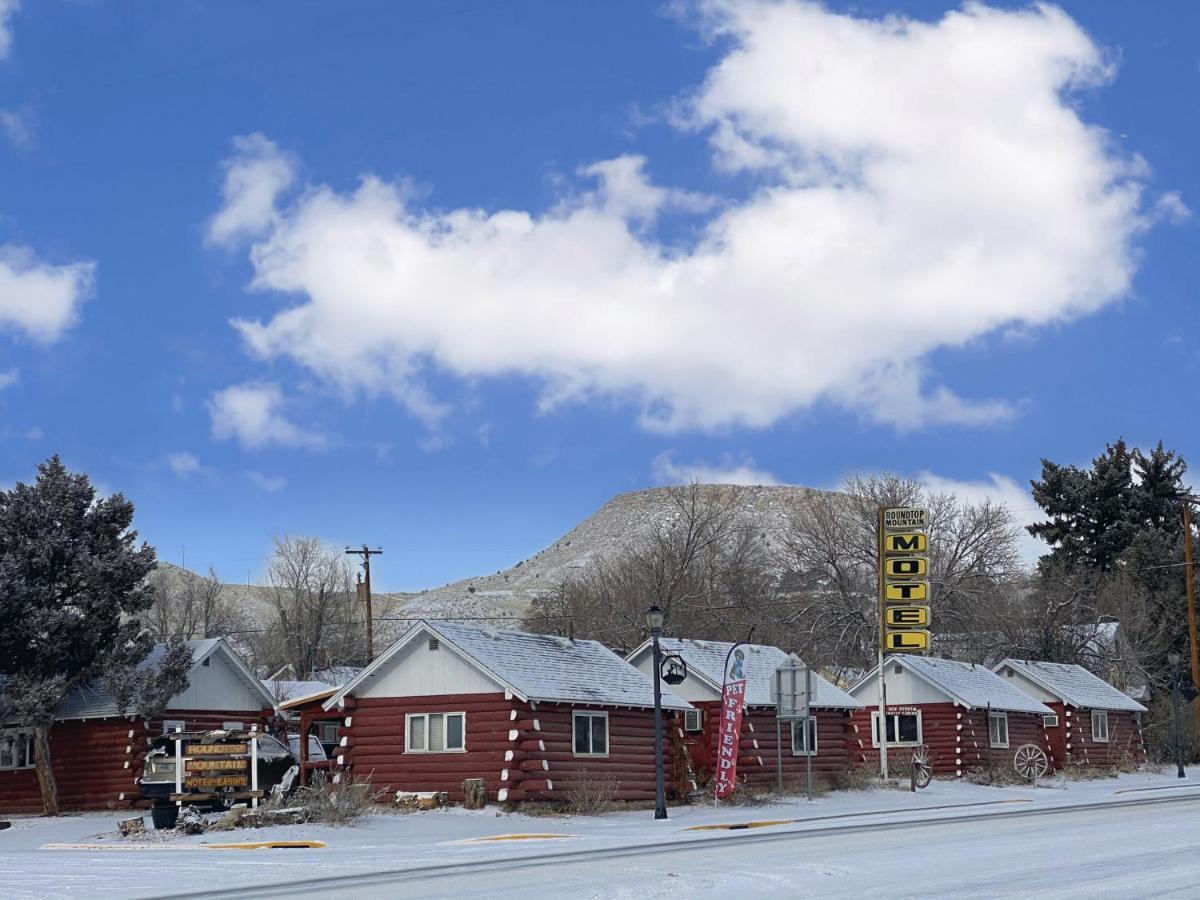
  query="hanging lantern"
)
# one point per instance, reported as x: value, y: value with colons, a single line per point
x: 674, y: 669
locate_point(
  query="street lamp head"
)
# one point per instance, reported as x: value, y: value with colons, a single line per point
x: 1173, y: 658
x: 655, y: 618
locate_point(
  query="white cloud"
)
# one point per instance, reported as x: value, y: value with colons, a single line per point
x: 922, y: 185
x: 17, y: 127
x: 998, y: 489
x: 270, y: 483
x: 255, y: 175
x: 39, y: 298
x: 9, y: 378
x: 252, y: 414
x: 183, y: 464
x: 7, y: 9
x: 727, y: 471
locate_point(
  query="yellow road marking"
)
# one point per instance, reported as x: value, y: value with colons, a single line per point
x: 738, y: 826
x: 514, y: 837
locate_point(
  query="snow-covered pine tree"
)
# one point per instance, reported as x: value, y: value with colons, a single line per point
x: 72, y: 586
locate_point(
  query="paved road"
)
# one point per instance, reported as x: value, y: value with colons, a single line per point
x: 1128, y: 851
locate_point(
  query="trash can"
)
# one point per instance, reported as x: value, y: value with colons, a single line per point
x: 164, y: 815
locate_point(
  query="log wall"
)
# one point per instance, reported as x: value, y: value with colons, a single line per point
x: 373, y: 742
x: 1124, y: 739
x: 957, y: 737
x: 97, y: 762
x: 756, y: 746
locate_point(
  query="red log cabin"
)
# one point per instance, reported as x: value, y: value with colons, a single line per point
x: 1090, y: 721
x: 534, y: 716
x: 967, y: 716
x: 97, y: 754
x: 825, y: 736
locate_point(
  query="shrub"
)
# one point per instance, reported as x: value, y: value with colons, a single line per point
x: 591, y: 793
x: 333, y: 803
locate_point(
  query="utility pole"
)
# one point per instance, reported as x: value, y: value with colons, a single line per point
x: 366, y: 553
x: 1191, y: 604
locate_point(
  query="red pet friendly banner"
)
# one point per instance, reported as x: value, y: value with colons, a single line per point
x: 733, y: 700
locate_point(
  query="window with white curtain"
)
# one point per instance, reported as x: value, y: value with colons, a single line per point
x: 435, y: 732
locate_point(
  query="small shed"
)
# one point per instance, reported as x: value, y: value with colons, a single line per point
x: 826, y: 736
x: 966, y: 715
x: 97, y: 753
x: 1090, y: 721
x: 535, y: 716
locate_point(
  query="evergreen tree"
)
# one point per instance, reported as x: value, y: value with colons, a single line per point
x: 72, y: 586
x: 1096, y: 513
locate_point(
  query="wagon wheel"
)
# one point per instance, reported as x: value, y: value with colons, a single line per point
x: 1031, y: 762
x: 922, y: 761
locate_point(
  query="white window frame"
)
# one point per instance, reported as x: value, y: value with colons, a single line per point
x: 589, y: 714
x: 693, y: 720
x: 324, y: 728
x: 875, y: 732
x: 233, y: 726
x: 804, y: 726
x: 997, y: 717
x: 171, y: 725
x: 1100, y: 715
x: 30, y: 752
x: 408, y: 720
x: 1047, y: 721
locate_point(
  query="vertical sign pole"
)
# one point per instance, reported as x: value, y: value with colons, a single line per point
x: 254, y: 766
x: 179, y: 764
x: 883, y: 755
x: 780, y: 708
x: 810, y: 737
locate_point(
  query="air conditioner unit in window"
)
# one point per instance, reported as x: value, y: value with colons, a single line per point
x: 693, y: 720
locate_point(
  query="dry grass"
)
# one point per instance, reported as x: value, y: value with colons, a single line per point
x: 591, y: 793
x: 334, y: 804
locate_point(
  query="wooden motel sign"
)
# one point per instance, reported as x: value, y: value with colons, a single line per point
x: 212, y: 781
x: 210, y: 765
x: 904, y: 615
x: 216, y: 749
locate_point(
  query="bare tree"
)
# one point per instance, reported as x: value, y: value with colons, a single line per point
x: 188, y: 606
x: 313, y: 601
x: 701, y: 566
x: 831, y: 557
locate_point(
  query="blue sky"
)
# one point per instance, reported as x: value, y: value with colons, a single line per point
x: 759, y: 242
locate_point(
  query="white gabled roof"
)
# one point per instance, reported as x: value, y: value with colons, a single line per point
x: 972, y: 686
x: 706, y: 660
x: 93, y: 700
x: 536, y: 667
x: 1073, y: 684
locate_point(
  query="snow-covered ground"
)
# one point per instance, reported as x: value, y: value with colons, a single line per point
x: 827, y: 847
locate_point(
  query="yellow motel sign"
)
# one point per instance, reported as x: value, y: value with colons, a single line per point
x: 905, y: 542
x: 904, y: 614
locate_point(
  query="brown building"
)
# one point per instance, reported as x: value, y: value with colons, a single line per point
x: 966, y: 715
x: 1090, y: 721
x: 532, y: 715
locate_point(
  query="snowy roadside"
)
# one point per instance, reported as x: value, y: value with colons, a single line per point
x: 120, y: 867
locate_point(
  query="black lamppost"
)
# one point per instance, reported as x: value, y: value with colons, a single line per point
x: 654, y: 618
x: 1173, y: 660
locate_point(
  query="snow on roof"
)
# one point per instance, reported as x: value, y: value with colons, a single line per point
x: 538, y: 667
x: 94, y: 701
x: 976, y: 686
x: 707, y: 660
x: 296, y: 690
x: 1074, y: 685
